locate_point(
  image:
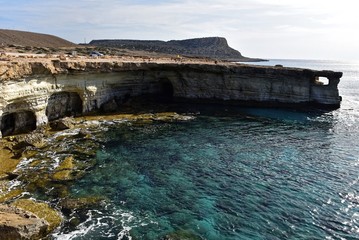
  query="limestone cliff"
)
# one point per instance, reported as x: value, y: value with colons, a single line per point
x: 34, y: 92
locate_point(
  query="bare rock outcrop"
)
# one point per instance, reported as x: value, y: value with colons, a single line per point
x: 17, y: 224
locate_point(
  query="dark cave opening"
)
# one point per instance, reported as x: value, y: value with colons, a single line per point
x: 18, y: 122
x: 63, y: 104
x: 165, y: 90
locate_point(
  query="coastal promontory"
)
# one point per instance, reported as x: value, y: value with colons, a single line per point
x: 35, y: 91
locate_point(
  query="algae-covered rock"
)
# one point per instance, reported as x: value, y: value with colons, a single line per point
x: 29, y: 153
x: 84, y: 133
x: 64, y: 170
x: 7, y: 163
x: 20, y: 224
x: 10, y: 195
x: 42, y: 210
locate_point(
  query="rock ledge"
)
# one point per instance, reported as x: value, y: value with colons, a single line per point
x: 16, y: 224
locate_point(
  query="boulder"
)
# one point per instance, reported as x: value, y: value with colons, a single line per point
x: 62, y: 124
x: 16, y: 223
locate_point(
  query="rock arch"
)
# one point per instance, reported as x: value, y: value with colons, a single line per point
x: 64, y: 104
x: 17, y: 122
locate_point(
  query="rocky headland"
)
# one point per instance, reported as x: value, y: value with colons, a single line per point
x: 208, y: 47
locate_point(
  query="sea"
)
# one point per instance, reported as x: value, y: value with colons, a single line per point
x: 230, y: 173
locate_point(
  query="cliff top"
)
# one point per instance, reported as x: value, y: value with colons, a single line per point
x: 22, y: 38
x: 211, y: 47
x: 16, y: 66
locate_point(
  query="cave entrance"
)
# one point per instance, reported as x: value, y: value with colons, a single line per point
x: 165, y: 90
x: 63, y: 104
x: 18, y: 122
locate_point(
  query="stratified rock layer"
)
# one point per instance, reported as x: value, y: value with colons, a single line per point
x: 34, y: 92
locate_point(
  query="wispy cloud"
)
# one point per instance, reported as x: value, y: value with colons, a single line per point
x: 263, y: 28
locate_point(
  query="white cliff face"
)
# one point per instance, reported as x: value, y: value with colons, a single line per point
x: 33, y: 93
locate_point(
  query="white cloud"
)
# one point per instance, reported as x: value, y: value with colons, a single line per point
x: 261, y: 28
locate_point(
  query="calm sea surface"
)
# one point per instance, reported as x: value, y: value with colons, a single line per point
x: 231, y: 173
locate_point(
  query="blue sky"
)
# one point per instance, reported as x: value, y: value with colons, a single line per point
x: 299, y: 29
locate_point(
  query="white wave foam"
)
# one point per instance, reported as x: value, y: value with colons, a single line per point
x: 116, y: 223
x: 14, y: 183
x: 68, y: 132
x: 24, y: 163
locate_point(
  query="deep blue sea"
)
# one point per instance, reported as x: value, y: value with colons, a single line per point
x: 231, y: 173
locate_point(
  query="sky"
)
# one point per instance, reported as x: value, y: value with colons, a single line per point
x: 275, y: 29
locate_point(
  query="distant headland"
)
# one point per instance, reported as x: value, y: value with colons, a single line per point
x: 208, y: 47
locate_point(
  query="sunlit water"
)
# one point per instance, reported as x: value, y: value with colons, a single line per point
x: 231, y: 173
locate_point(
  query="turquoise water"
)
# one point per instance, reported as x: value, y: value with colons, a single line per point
x: 230, y: 173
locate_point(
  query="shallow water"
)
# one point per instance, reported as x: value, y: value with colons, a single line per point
x: 231, y: 173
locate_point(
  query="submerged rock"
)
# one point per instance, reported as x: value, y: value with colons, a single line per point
x: 76, y: 209
x: 80, y: 203
x: 181, y: 235
x: 16, y: 224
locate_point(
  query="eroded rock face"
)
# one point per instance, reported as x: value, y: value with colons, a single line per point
x: 63, y: 104
x: 18, y: 122
x: 19, y: 224
x: 32, y: 93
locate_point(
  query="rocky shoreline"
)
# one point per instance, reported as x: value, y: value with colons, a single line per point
x: 45, y: 163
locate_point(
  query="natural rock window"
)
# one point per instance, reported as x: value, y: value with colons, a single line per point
x: 322, y: 81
